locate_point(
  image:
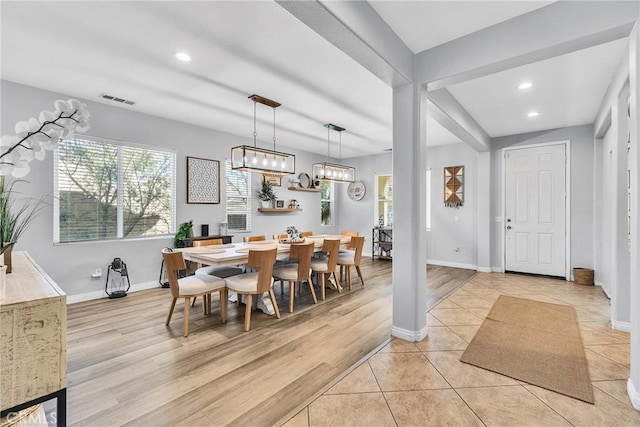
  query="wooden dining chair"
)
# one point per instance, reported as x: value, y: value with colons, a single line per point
x: 246, y: 239
x: 255, y: 283
x: 346, y: 261
x: 192, y: 287
x: 298, y: 271
x: 349, y: 249
x: 327, y: 266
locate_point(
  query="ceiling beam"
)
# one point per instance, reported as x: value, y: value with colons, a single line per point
x: 553, y: 30
x: 356, y: 28
x: 447, y: 111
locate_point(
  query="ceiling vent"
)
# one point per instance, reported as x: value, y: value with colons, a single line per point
x: 116, y: 99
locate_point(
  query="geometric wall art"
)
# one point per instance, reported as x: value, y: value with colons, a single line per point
x: 453, y: 186
x: 203, y: 181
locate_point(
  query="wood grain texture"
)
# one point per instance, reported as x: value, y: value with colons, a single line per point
x: 126, y: 367
x: 33, y: 342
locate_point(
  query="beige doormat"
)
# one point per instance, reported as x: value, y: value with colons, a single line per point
x: 535, y: 342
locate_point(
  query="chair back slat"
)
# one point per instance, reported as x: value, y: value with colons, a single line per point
x: 254, y: 238
x: 302, y: 252
x: 357, y: 243
x: 208, y: 242
x: 350, y: 234
x: 306, y: 233
x: 173, y: 262
x: 263, y: 260
x: 331, y: 247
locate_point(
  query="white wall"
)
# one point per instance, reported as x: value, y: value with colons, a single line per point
x: 582, y: 192
x: 453, y: 228
x: 70, y: 265
x: 359, y: 215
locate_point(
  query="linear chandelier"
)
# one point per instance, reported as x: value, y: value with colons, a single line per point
x: 253, y: 159
x: 327, y: 171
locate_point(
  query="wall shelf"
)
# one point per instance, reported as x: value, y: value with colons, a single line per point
x: 311, y: 190
x: 272, y: 210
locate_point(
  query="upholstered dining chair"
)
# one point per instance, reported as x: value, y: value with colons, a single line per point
x: 192, y: 287
x: 346, y: 261
x: 298, y: 271
x: 327, y: 266
x: 255, y: 283
x: 246, y: 239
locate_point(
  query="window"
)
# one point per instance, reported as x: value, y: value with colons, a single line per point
x: 108, y: 191
x: 326, y: 203
x: 428, y: 187
x: 384, y: 205
x: 238, y: 189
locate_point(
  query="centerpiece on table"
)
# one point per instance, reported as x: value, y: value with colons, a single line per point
x: 293, y: 236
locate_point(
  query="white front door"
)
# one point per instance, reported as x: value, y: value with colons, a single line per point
x: 535, y: 220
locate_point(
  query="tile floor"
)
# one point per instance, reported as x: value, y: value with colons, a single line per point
x: 426, y: 384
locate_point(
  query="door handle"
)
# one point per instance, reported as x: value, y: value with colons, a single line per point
x: 508, y: 227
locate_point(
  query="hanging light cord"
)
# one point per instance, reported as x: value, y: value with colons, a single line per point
x: 274, y: 129
x: 255, y: 134
x: 340, y: 158
x: 328, y: 143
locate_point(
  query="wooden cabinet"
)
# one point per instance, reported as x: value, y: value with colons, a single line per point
x: 33, y: 338
x: 381, y: 242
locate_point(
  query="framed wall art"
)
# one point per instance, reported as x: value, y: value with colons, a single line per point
x: 274, y: 180
x: 453, y: 186
x: 203, y: 181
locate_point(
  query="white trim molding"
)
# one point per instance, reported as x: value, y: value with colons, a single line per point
x: 407, y: 335
x: 495, y: 269
x: 621, y: 326
x: 484, y: 269
x: 452, y: 264
x: 72, y: 299
x: 634, y: 396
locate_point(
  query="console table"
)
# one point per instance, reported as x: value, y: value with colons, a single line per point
x: 33, y: 340
x: 189, y: 240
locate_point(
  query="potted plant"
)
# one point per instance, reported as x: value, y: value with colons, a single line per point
x: 184, y: 230
x: 14, y: 218
x: 266, y: 194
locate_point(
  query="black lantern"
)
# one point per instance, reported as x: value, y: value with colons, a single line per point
x: 118, y: 283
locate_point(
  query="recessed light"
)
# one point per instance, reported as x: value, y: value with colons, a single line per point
x: 533, y: 114
x: 181, y: 56
x: 525, y: 85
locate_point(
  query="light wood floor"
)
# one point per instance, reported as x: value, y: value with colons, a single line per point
x: 126, y: 367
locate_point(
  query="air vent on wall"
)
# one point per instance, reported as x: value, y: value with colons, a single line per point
x: 116, y: 99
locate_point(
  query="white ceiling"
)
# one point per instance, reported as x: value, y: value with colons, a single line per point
x: 425, y: 24
x: 239, y: 48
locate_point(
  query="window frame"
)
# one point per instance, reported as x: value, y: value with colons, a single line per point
x: 376, y: 212
x: 228, y: 168
x: 332, y: 203
x: 120, y: 222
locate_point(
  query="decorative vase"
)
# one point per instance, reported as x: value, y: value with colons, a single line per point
x: 190, y: 232
x: 7, y: 256
x: 266, y: 203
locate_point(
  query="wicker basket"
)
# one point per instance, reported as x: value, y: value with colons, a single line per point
x: 583, y: 276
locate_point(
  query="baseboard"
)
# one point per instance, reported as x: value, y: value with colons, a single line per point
x: 497, y: 270
x: 485, y: 269
x: 634, y: 396
x: 604, y: 288
x: 367, y: 254
x: 621, y: 326
x: 407, y: 335
x: 72, y: 299
x: 452, y: 264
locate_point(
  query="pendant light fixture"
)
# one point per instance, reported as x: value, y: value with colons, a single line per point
x: 327, y: 171
x: 253, y: 159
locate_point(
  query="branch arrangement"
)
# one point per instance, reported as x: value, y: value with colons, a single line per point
x: 35, y: 136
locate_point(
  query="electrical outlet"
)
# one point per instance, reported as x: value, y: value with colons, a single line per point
x: 457, y: 250
x: 97, y: 274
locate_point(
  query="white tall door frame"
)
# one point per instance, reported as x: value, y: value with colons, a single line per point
x: 536, y: 209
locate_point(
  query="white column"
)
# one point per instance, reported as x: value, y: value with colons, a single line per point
x: 633, y: 385
x: 409, y: 213
x: 483, y: 216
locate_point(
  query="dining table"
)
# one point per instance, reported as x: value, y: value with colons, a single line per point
x: 232, y: 254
